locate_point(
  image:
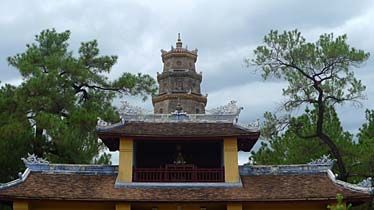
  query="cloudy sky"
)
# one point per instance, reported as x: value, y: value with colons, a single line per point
x: 225, y: 32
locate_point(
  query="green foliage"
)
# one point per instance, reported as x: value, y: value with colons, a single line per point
x: 15, y: 132
x: 105, y: 158
x: 304, y: 65
x: 62, y: 95
x: 364, y: 167
x: 318, y: 74
x: 289, y: 148
x: 6, y: 206
x: 340, y: 205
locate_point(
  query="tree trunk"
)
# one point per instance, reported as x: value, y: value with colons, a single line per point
x: 324, y: 137
x: 336, y: 154
x: 37, y: 142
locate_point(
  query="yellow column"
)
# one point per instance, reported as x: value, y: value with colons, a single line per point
x: 123, y: 206
x: 234, y: 206
x: 125, y: 159
x: 230, y: 156
x: 20, y: 205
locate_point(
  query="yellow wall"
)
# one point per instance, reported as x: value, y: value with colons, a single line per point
x: 230, y: 156
x: 149, y: 206
x: 286, y: 206
x: 20, y: 205
x: 125, y: 159
x: 234, y: 206
x: 63, y: 205
x: 123, y: 206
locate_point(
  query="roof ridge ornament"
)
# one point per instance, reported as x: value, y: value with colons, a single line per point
x: 324, y: 160
x: 254, y: 124
x: 224, y: 114
x: 179, y: 114
x: 360, y: 187
x: 102, y: 123
x: 128, y: 109
x: 34, y: 159
x: 366, y: 183
x: 231, y: 108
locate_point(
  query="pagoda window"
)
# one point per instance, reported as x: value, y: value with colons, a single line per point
x: 179, y: 84
x: 164, y: 87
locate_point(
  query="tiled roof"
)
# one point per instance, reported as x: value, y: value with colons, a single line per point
x: 102, y: 188
x: 176, y: 129
x: 182, y: 129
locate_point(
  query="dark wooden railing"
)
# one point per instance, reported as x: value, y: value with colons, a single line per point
x: 178, y: 173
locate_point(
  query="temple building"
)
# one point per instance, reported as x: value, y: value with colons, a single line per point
x: 180, y: 156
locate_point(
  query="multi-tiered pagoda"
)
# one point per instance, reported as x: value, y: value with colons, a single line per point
x: 180, y: 157
x: 179, y: 82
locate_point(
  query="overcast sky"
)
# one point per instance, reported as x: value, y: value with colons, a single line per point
x: 225, y: 32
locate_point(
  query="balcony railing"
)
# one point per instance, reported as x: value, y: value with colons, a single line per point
x: 178, y: 173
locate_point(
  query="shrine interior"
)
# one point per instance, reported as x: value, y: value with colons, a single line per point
x: 156, y: 154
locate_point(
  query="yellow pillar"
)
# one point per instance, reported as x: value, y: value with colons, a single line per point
x: 234, y: 206
x: 20, y: 205
x: 125, y: 159
x: 230, y: 156
x: 123, y: 206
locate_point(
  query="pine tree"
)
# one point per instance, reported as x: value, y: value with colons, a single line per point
x: 53, y: 113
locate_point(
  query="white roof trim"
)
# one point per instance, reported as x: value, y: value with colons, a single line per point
x: 21, y: 179
x: 349, y: 186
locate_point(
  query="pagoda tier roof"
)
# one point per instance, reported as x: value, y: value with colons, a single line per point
x: 177, y: 131
x: 258, y: 184
x: 216, y: 124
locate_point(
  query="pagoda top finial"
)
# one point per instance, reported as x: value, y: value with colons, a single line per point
x: 179, y: 41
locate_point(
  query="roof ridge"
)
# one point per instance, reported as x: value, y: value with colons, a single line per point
x: 349, y: 186
x: 83, y: 169
x: 21, y: 178
x: 258, y: 170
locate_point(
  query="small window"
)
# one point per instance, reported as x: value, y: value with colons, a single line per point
x: 197, y: 111
x: 179, y: 84
x: 161, y: 111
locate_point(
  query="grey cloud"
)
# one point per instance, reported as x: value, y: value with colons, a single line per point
x: 224, y: 23
x: 224, y: 32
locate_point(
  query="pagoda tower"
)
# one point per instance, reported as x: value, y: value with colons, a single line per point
x: 179, y: 83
